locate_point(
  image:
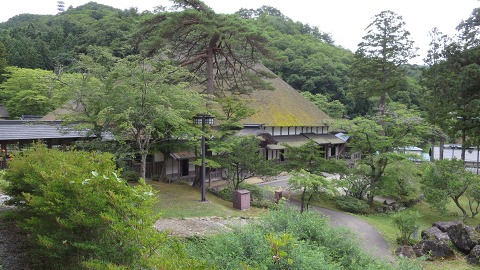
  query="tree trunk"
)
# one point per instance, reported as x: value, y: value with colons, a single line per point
x: 370, y: 198
x: 210, y: 56
x: 302, y: 203
x: 457, y: 203
x: 473, y: 209
x: 442, y: 149
x: 143, y: 165
x: 237, y: 179
x: 197, y: 181
x: 432, y: 150
x: 382, y: 110
x: 462, y: 157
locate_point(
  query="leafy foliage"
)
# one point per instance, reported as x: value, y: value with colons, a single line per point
x: 78, y: 210
x: 405, y: 222
x: 285, y: 239
x: 222, y: 48
x: 333, y: 108
x: 447, y: 179
x: 402, y: 129
x: 241, y: 158
x: 377, y: 69
x: 310, y: 157
x: 53, y: 42
x: 352, y: 204
x: 310, y: 185
x: 31, y: 92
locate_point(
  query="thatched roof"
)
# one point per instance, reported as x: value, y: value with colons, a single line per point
x: 68, y: 108
x: 284, y: 107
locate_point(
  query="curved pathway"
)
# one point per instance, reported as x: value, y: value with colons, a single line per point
x: 371, y: 240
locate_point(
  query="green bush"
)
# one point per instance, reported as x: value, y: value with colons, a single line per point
x: 352, y: 205
x: 286, y: 239
x: 130, y: 176
x: 3, y: 182
x: 78, y: 211
x: 406, y: 223
x: 257, y: 194
x: 225, y: 193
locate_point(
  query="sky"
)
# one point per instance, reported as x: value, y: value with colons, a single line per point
x: 344, y: 20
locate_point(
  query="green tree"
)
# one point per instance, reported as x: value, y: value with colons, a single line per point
x: 444, y: 180
x: 78, y: 211
x: 333, y: 108
x: 3, y: 61
x: 233, y: 110
x: 90, y: 86
x: 149, y: 104
x: 473, y: 196
x: 454, y: 95
x: 31, y: 92
x: 310, y: 185
x: 377, y: 68
x: 406, y: 223
x: 432, y: 80
x: 222, y: 48
x: 402, y: 128
x: 469, y: 30
x: 310, y: 157
x: 240, y: 157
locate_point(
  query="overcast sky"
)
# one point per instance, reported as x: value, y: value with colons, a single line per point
x: 345, y: 20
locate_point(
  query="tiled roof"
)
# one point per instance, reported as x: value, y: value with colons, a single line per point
x: 325, y: 138
x: 292, y: 140
x: 283, y: 106
x: 32, y: 130
x: 183, y: 155
x: 299, y: 140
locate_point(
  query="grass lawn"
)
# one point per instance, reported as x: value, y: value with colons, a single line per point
x: 181, y: 200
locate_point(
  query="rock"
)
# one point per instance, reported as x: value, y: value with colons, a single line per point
x: 405, y: 251
x: 433, y: 249
x: 444, y: 225
x: 464, y: 237
x: 474, y: 256
x: 434, y: 233
x: 413, y: 202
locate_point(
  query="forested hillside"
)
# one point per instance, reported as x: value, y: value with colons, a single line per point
x: 301, y: 54
x: 49, y: 42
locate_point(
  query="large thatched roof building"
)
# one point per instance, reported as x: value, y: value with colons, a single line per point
x: 288, y: 119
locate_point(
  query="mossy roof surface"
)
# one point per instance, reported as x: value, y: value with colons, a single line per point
x: 284, y: 107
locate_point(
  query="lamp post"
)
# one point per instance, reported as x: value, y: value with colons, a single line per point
x: 203, y: 119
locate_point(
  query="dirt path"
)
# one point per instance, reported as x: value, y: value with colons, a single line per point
x: 13, y: 243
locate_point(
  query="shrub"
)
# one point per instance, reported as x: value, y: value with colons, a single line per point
x: 225, y: 193
x: 78, y: 211
x: 285, y: 239
x: 130, y: 176
x: 352, y: 205
x: 3, y: 182
x: 257, y: 194
x: 405, y: 222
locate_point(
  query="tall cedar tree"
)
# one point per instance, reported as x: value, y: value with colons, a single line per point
x: 221, y: 48
x: 377, y: 66
x: 432, y: 80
